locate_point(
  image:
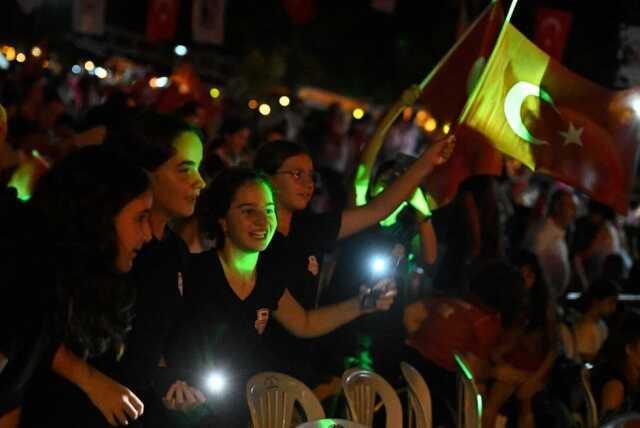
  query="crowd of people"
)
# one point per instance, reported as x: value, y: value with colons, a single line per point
x: 153, y: 261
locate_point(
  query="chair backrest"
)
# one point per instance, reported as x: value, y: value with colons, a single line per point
x: 361, y: 388
x: 271, y: 397
x: 469, y: 399
x: 419, y: 398
x: 621, y: 420
x: 591, y: 407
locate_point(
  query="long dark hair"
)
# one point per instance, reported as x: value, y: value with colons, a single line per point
x: 148, y: 138
x: 79, y: 199
x: 215, y: 200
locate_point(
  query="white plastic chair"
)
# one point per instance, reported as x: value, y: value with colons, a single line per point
x: 620, y: 420
x: 271, y: 397
x: 591, y: 407
x: 419, y: 406
x: 469, y: 399
x: 361, y: 388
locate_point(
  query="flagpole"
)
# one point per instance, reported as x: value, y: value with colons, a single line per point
x: 444, y: 59
x: 483, y: 76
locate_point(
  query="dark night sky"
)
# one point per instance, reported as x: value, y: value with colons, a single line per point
x: 348, y: 47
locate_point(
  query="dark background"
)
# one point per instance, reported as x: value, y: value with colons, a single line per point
x: 348, y: 47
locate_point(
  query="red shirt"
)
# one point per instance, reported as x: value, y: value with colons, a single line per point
x: 454, y: 325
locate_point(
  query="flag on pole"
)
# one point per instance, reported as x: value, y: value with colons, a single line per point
x: 89, y: 16
x: 162, y: 16
x: 535, y: 110
x: 445, y: 93
x: 207, y: 21
x: 552, y: 30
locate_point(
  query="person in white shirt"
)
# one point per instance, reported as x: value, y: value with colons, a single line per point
x: 547, y: 241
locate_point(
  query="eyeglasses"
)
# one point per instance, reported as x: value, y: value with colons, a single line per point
x: 300, y: 176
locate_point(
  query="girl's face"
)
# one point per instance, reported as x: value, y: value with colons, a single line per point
x: 251, y: 220
x: 132, y: 230
x: 293, y: 182
x: 176, y: 183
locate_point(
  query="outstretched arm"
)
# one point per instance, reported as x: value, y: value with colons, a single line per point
x: 357, y: 219
x: 321, y: 321
x: 372, y: 148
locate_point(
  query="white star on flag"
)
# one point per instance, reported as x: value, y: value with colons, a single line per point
x: 572, y: 136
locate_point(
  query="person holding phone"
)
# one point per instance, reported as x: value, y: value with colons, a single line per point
x: 232, y: 293
x: 303, y: 238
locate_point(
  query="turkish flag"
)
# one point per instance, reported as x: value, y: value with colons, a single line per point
x: 162, y: 16
x: 558, y: 123
x: 445, y: 94
x: 552, y: 29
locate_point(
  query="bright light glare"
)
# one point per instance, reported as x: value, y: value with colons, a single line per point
x: 284, y: 101
x: 264, y: 109
x: 76, y: 69
x: 358, y: 113
x: 180, y: 50
x: 216, y: 382
x: 89, y: 66
x: 430, y: 124
x: 214, y: 92
x: 101, y: 73
x: 253, y: 104
x: 378, y: 265
x: 36, y: 51
x: 21, y: 57
x: 162, y: 81
x: 635, y: 105
x: 446, y: 128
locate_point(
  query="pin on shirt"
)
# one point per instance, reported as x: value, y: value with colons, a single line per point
x: 313, y: 266
x: 262, y: 317
x: 180, y: 283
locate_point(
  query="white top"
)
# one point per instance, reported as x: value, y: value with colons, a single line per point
x: 547, y: 241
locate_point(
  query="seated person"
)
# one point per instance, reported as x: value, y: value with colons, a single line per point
x: 616, y: 383
x: 438, y: 327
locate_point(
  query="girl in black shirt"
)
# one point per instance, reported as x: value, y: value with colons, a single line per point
x: 302, y: 238
x: 63, y: 282
x: 232, y: 293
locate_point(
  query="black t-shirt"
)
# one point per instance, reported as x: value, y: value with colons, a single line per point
x: 158, y: 273
x: 310, y: 236
x: 300, y: 253
x: 220, y: 331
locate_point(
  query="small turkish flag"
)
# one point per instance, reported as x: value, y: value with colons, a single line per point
x: 552, y: 29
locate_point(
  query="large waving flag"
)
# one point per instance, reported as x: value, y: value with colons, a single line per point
x: 556, y: 122
x: 445, y: 92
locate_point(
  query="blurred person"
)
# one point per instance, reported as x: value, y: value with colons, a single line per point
x: 529, y: 345
x: 598, y: 302
x: 229, y: 149
x: 474, y: 325
x: 616, y: 381
x: 549, y: 242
